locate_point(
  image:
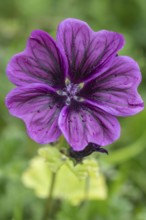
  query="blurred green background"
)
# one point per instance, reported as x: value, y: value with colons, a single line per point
x: 124, y: 170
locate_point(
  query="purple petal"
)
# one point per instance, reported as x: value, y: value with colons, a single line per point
x: 39, y: 107
x: 89, y: 53
x: 115, y: 91
x: 82, y: 125
x: 41, y: 61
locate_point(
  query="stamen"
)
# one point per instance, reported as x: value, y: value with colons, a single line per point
x: 81, y: 85
x: 71, y: 92
x: 78, y: 98
x: 68, y: 101
x: 67, y: 82
x: 61, y: 92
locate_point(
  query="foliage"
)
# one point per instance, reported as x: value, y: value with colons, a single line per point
x: 73, y: 183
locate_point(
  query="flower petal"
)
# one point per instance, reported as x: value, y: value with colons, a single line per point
x: 115, y: 91
x: 39, y: 107
x: 88, y: 52
x: 83, y: 125
x: 41, y: 61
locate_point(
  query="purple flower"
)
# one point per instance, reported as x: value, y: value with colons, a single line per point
x: 75, y: 86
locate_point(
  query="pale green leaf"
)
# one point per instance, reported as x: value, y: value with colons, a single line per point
x: 73, y: 183
x: 52, y: 157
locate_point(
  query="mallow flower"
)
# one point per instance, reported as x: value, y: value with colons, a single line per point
x: 76, y: 85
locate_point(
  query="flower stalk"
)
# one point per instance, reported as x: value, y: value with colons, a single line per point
x: 49, y: 201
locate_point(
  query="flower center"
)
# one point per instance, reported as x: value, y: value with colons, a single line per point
x: 70, y: 92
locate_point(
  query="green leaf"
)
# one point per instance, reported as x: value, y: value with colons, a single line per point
x: 53, y: 157
x: 126, y: 153
x: 73, y: 183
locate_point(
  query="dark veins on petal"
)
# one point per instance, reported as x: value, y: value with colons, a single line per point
x: 53, y: 68
x: 116, y: 87
x: 42, y: 61
x: 92, y: 89
x: 82, y: 66
x: 40, y: 99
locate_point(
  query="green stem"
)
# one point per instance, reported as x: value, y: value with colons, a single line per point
x: 49, y: 202
x: 87, y: 188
